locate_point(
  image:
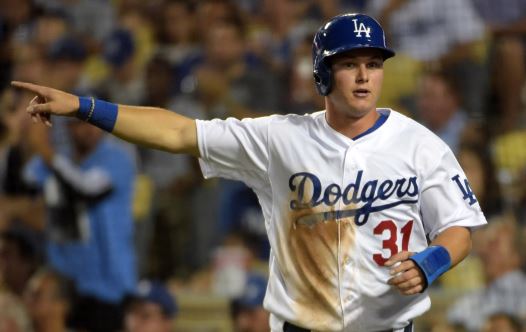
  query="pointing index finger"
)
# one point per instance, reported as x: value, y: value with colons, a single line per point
x: 40, y: 90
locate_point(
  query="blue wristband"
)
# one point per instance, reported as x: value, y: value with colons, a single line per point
x: 98, y: 112
x: 86, y: 106
x: 433, y: 262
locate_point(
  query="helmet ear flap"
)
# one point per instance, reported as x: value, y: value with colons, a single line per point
x: 317, y: 78
x: 323, y: 78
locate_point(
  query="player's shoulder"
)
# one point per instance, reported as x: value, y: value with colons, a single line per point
x: 278, y: 122
x: 273, y: 119
x: 406, y: 123
x: 296, y: 119
x: 292, y: 117
x: 413, y: 131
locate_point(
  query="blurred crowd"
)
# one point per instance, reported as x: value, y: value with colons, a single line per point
x: 99, y: 235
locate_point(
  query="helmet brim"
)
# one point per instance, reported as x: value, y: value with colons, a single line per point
x: 386, y: 52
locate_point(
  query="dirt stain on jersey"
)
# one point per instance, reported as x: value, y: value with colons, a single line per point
x: 313, y: 244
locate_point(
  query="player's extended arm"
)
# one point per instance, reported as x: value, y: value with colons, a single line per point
x: 153, y: 127
x: 409, y: 278
x: 157, y: 128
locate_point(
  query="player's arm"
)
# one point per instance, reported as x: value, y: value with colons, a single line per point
x: 447, y: 250
x: 157, y: 128
x: 149, y: 126
x: 457, y: 241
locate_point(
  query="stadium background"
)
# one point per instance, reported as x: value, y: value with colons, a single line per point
x: 459, y: 69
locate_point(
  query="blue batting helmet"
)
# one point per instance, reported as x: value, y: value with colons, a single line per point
x: 341, y: 34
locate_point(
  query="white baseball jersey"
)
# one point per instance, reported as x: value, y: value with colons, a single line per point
x: 336, y: 208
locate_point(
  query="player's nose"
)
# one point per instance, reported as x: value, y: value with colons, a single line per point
x: 362, y: 75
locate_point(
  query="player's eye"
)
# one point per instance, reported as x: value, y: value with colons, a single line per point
x: 375, y: 64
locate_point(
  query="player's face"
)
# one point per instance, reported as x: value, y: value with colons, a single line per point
x: 357, y: 81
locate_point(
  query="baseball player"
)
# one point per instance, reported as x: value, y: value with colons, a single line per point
x: 364, y: 208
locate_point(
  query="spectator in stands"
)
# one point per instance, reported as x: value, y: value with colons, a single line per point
x: 439, y: 107
x: 92, y: 21
x: 164, y: 168
x: 29, y: 62
x: 228, y: 266
x: 18, y: 261
x: 240, y: 213
x: 18, y: 206
x: 50, y: 26
x: 302, y: 96
x: 287, y: 24
x: 15, y: 23
x: 501, y: 251
x: 411, y: 21
x: 124, y: 83
x: 174, y: 178
x: 506, y: 23
x: 176, y: 31
x: 48, y: 300
x: 228, y: 80
x: 16, y: 19
x: 21, y: 212
x: 247, y: 310
x: 65, y: 60
x: 480, y: 170
x: 89, y: 222
x: 521, y: 207
x: 160, y: 82
x: 438, y: 33
x: 227, y: 83
x: 502, y: 322
x: 65, y: 63
x: 211, y: 12
x: 151, y: 308
x: 13, y: 315
x: 161, y: 167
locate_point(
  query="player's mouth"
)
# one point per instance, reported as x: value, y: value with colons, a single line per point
x: 361, y: 93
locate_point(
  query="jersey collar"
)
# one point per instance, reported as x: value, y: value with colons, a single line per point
x: 378, y: 123
x: 344, y: 140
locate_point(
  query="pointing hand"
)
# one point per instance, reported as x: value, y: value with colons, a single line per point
x: 48, y: 101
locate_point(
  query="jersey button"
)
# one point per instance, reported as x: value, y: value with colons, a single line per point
x: 346, y: 260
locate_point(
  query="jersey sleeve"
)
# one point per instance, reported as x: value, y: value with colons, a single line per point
x: 234, y: 149
x: 447, y: 199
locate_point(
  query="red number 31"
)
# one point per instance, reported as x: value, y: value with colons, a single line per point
x: 391, y: 242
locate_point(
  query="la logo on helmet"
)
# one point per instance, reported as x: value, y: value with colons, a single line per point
x: 358, y: 29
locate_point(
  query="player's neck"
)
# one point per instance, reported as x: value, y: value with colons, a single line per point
x: 348, y: 125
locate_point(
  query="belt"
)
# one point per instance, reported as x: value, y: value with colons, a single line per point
x: 288, y: 327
